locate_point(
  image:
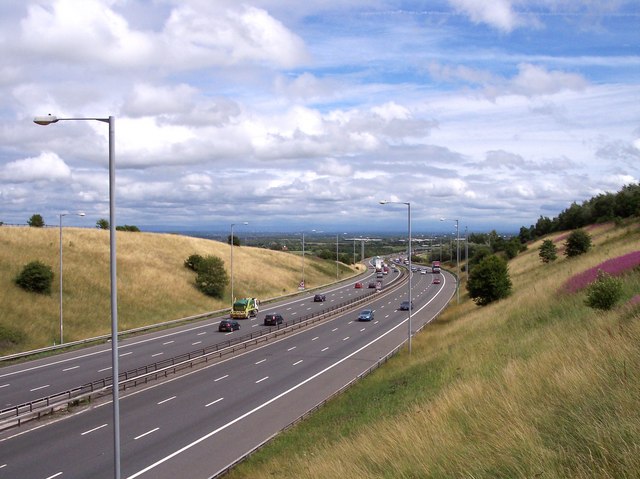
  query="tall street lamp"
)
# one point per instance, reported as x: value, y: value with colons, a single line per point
x: 384, y: 202
x: 61, y: 215
x: 47, y: 120
x: 231, y: 241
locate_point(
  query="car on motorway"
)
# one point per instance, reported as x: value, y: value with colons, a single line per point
x: 358, y: 285
x: 404, y: 306
x: 423, y: 271
x: 436, y: 280
x: 366, y: 315
x: 319, y: 298
x: 228, y: 326
x: 273, y: 319
x: 372, y: 284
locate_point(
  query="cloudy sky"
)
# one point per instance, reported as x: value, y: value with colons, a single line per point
x: 304, y: 115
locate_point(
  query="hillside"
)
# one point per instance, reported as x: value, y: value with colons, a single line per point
x: 153, y: 284
x: 537, y: 385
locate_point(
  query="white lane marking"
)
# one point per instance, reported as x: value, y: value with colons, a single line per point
x: 261, y: 361
x: 297, y: 362
x: 57, y: 474
x: 362, y: 329
x: 263, y: 379
x: 344, y: 339
x: 70, y: 369
x: 323, y: 350
x: 40, y: 387
x: 157, y: 354
x: 200, y: 334
x: 166, y: 400
x: 92, y: 430
x: 376, y: 322
x: 104, y: 369
x: 255, y: 325
x: 5, y: 385
x: 2, y: 466
x: 334, y: 330
x: 213, y: 402
x: 145, y: 434
x: 220, y: 378
x: 198, y: 342
x: 167, y: 342
x: 313, y: 339
x: 290, y: 349
x: 126, y: 354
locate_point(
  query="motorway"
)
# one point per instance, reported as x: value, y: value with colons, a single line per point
x: 197, y: 424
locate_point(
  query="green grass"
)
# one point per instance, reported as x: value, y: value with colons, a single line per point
x: 537, y: 385
x: 153, y: 284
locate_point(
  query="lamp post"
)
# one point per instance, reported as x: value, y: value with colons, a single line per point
x: 231, y: 241
x: 457, y: 259
x: 47, y: 120
x: 384, y: 202
x: 61, y: 328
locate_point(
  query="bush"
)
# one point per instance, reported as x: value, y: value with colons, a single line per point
x: 36, y: 221
x: 489, y: 281
x: 212, y: 278
x: 10, y: 336
x: 193, y: 262
x: 36, y: 277
x: 102, y: 224
x: 131, y: 228
x: 577, y: 243
x: 604, y: 292
x: 548, y: 251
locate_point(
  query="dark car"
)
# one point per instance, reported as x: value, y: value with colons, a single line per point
x: 372, y: 284
x: 228, y: 326
x: 273, y: 319
x: 404, y: 306
x: 366, y: 315
x: 319, y: 298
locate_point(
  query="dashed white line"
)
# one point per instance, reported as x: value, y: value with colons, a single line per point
x: 57, y: 474
x: 362, y: 329
x: 213, y: 402
x: 344, y: 339
x: 168, y: 342
x: 70, y: 369
x: 200, y: 334
x: 199, y: 342
x: 313, y: 339
x: 261, y: 361
x: 145, y: 434
x: 255, y: 325
x: 323, y: 350
x: 220, y: 378
x: 334, y: 330
x: 156, y: 354
x: 292, y: 348
x: 5, y: 385
x: 40, y: 387
x: 104, y: 369
x: 263, y: 379
x: 126, y: 354
x: 166, y: 400
x: 92, y: 430
x: 297, y: 362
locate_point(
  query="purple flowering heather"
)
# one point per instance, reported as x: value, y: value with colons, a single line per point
x: 614, y: 267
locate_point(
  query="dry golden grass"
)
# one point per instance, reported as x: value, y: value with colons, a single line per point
x: 538, y: 385
x: 153, y: 284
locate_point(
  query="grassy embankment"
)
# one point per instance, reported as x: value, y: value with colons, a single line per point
x: 153, y: 284
x: 537, y: 385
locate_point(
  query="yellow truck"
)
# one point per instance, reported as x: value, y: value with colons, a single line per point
x: 245, y: 308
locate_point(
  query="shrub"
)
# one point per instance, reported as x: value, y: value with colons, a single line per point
x: 36, y: 221
x: 548, y: 251
x: 35, y: 277
x: 489, y: 281
x: 131, y: 228
x: 212, y: 277
x: 193, y: 262
x: 102, y: 224
x: 577, y: 243
x: 10, y: 336
x: 604, y: 292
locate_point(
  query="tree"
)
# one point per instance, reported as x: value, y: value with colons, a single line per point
x: 102, y: 224
x: 35, y: 277
x: 236, y: 240
x: 212, y: 278
x: 577, y: 243
x: 604, y: 292
x: 36, y: 221
x: 548, y: 251
x: 131, y: 228
x: 193, y: 262
x: 489, y: 281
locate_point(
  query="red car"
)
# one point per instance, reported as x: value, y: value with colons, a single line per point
x: 436, y: 280
x: 358, y: 285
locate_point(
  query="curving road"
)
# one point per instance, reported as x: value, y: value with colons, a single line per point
x: 199, y: 423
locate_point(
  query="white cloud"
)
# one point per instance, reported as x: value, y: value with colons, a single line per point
x: 496, y: 13
x: 46, y: 167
